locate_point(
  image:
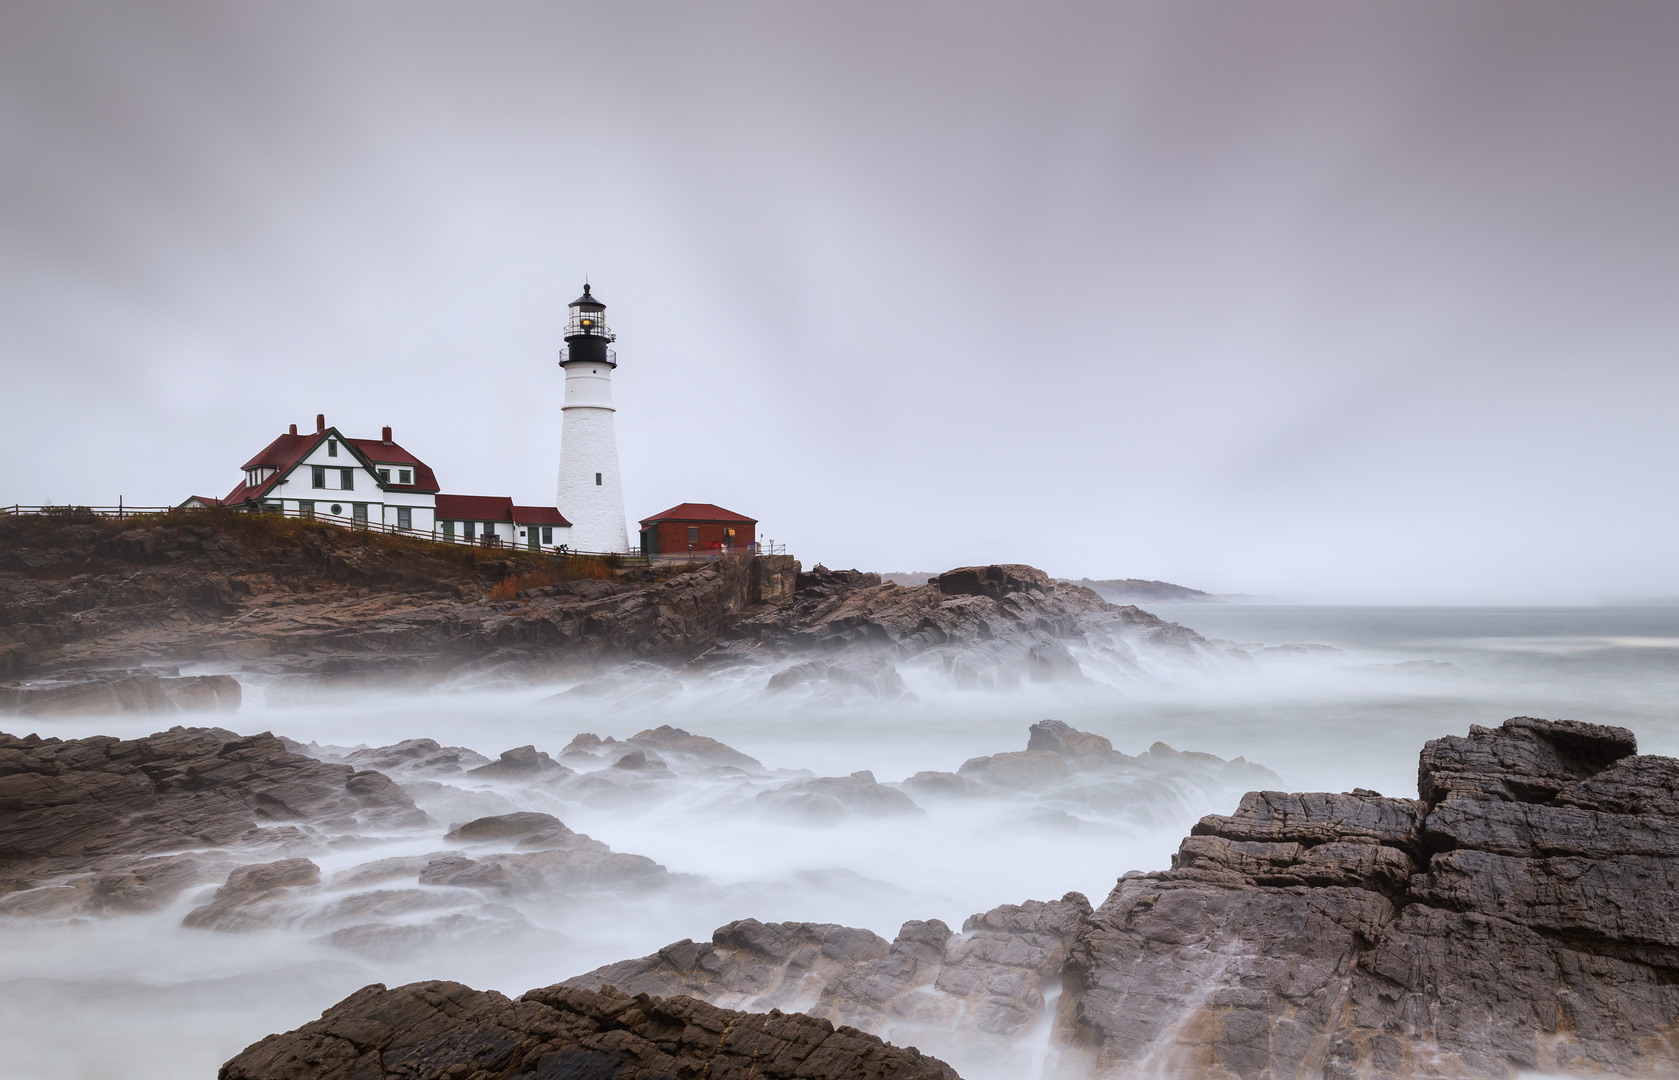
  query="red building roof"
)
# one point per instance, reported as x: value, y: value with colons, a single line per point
x: 474, y: 508
x: 539, y: 515
x: 389, y: 453
x: 698, y: 512
x: 285, y: 451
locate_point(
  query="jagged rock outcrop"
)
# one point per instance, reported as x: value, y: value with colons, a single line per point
x: 85, y: 823
x: 982, y: 626
x: 153, y: 692
x: 444, y: 1030
x: 1517, y: 916
x: 695, y: 752
x: 984, y: 985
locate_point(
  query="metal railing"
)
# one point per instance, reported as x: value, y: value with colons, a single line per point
x: 713, y: 553
x: 67, y: 510
x: 611, y: 356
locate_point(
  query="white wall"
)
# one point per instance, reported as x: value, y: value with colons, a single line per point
x: 589, y: 447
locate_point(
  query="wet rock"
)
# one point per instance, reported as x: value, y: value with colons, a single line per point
x: 1516, y: 917
x: 875, y: 676
x: 1079, y: 749
x: 980, y: 627
x: 827, y: 799
x: 577, y: 863
x: 254, y: 896
x: 421, y: 756
x: 674, y: 743
x: 139, y: 691
x: 638, y: 761
x: 437, y: 1030
x: 985, y: 986
x: 945, y: 784
x: 522, y: 762
x: 1024, y: 770
x: 996, y: 582
x: 522, y: 824
x: 96, y: 804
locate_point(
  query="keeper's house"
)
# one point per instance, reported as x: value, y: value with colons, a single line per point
x: 375, y: 481
x: 697, y: 527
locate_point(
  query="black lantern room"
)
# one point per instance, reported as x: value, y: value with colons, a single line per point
x: 586, y: 334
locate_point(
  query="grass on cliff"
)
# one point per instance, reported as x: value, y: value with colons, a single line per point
x: 570, y: 568
x: 258, y: 532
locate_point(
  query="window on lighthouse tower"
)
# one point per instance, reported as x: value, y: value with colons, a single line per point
x: 597, y: 479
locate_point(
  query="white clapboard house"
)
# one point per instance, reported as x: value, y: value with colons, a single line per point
x: 375, y: 481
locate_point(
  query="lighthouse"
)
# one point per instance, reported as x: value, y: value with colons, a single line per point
x: 589, y: 493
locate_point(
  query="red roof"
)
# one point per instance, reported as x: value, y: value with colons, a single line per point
x: 539, y: 515
x: 474, y: 508
x: 389, y: 453
x: 284, y: 451
x: 279, y: 455
x: 698, y: 512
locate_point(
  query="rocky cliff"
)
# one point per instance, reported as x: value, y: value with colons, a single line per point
x: 284, y: 599
x: 284, y: 596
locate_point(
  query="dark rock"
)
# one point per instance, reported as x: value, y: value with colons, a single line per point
x: 674, y: 741
x: 984, y: 985
x: 141, y: 691
x: 83, y: 822
x: 424, y: 756
x: 996, y: 582
x: 503, y: 826
x: 1080, y: 749
x: 1517, y: 917
x: 253, y: 896
x: 566, y: 864
x: 439, y: 1030
x: 522, y: 761
x: 827, y: 799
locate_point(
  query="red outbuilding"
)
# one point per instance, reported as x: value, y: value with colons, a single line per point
x: 698, y: 528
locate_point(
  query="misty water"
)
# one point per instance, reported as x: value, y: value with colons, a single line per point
x: 141, y: 996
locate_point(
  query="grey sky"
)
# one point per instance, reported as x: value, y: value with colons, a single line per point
x: 1333, y: 300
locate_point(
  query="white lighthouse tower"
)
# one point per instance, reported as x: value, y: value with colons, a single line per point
x: 589, y: 494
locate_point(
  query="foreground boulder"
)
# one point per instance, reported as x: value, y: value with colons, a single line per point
x: 437, y: 1030
x: 1518, y: 916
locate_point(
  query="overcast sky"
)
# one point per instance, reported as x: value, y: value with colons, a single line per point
x: 1339, y: 301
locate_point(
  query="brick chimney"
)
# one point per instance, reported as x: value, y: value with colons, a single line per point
x: 320, y: 422
x: 385, y: 434
x: 294, y: 429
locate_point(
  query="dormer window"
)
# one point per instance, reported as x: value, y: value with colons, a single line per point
x: 384, y: 476
x: 405, y: 476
